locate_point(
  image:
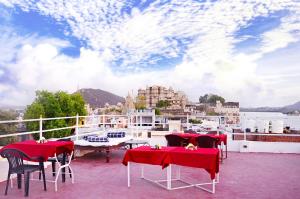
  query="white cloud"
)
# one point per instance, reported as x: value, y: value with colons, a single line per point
x: 155, y: 30
x: 207, y: 29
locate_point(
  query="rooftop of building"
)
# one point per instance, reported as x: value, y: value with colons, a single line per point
x: 242, y: 175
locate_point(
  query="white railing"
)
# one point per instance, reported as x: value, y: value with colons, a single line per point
x: 101, y: 122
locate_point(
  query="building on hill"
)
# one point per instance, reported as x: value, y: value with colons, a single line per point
x: 231, y: 110
x: 154, y: 94
x: 129, y: 104
x: 88, y: 109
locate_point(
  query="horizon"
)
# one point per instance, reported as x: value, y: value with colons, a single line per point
x: 24, y: 106
x: 246, y: 52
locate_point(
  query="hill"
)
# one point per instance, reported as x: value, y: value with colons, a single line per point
x: 284, y: 109
x: 98, y: 98
x: 291, y: 108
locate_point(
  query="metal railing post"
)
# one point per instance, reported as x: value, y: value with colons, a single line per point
x: 187, y: 121
x: 129, y: 121
x: 104, y: 121
x: 41, y: 127
x: 153, y: 118
x: 76, y: 128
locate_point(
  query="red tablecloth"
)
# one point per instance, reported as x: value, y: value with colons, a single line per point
x: 201, y: 158
x: 44, y: 150
x: 192, y: 137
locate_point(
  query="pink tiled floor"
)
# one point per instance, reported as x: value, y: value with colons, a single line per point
x: 243, y: 175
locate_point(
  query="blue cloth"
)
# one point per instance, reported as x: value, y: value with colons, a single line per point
x: 86, y: 136
x: 95, y: 138
x: 116, y: 134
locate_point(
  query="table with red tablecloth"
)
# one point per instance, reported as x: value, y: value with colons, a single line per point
x: 42, y: 150
x: 204, y: 158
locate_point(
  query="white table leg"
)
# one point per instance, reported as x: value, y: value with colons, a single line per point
x: 178, y: 173
x: 142, y: 171
x: 169, y: 177
x: 128, y: 174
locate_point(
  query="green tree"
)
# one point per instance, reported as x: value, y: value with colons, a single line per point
x: 211, y: 113
x: 163, y: 104
x: 203, y: 99
x: 49, y: 105
x: 195, y: 121
x: 7, y: 128
x: 211, y: 99
x: 157, y: 111
x: 140, y: 102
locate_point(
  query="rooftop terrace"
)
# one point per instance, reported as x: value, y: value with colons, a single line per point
x: 242, y: 175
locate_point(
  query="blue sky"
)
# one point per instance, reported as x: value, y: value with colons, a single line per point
x: 246, y: 51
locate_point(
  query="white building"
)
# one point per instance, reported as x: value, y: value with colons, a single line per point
x: 154, y: 94
x: 230, y: 110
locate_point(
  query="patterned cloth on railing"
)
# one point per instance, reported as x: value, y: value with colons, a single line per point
x: 95, y: 138
x: 86, y: 136
x: 116, y: 134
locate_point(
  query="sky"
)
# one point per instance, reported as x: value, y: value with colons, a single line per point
x: 246, y: 51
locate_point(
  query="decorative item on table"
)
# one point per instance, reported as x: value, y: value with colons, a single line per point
x: 41, y: 141
x: 157, y: 147
x: 190, y: 146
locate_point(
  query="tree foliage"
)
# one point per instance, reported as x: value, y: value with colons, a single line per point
x: 140, y: 102
x: 195, y: 121
x: 211, y: 99
x: 163, y: 104
x: 49, y: 105
x: 212, y: 113
x: 7, y: 128
x: 157, y: 111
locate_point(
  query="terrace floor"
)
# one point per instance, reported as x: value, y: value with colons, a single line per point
x: 242, y: 175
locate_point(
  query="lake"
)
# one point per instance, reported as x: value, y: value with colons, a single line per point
x: 288, y: 120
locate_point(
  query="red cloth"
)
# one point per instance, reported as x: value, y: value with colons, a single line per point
x: 147, y: 155
x: 192, y: 137
x: 44, y: 150
x: 201, y: 158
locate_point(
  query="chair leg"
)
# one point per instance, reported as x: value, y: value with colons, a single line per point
x: 26, y: 182
x: 8, y: 179
x: 43, y: 173
x: 70, y: 172
x: 19, y: 179
x: 63, y: 173
x: 53, y: 169
x: 222, y: 155
x: 226, y: 150
x: 107, y: 155
x: 11, y: 183
x: 56, y: 178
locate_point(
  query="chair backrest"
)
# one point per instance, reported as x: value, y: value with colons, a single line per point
x: 207, y: 142
x: 15, y: 158
x: 190, y: 131
x: 176, y: 140
x: 212, y: 132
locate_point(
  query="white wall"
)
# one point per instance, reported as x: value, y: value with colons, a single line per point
x: 267, y: 147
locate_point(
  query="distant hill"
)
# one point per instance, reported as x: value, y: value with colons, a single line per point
x: 98, y: 98
x: 284, y: 109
